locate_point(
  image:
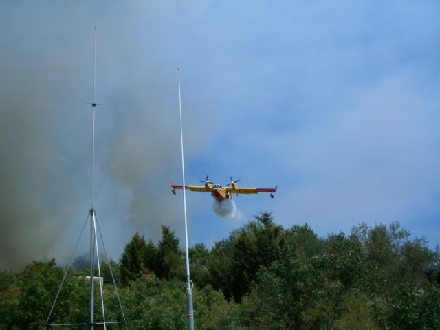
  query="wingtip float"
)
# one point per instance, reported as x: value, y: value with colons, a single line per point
x: 221, y: 193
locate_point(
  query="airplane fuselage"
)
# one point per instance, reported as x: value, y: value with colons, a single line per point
x: 220, y: 194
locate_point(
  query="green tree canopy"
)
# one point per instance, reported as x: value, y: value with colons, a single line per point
x: 132, y: 263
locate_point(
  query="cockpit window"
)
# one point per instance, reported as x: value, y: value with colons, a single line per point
x: 216, y: 186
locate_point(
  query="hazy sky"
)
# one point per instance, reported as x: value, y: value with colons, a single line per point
x: 335, y: 102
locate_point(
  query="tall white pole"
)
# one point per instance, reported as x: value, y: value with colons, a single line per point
x: 190, y: 311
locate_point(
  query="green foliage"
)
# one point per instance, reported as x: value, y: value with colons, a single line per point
x: 348, y: 260
x: 261, y: 277
x: 151, y: 303
x: 221, y: 265
x: 9, y: 300
x: 7, y: 279
x: 169, y: 263
x: 368, y: 281
x: 265, y: 306
x: 38, y: 284
x: 303, y: 240
x: 140, y: 257
x: 110, y: 271
x: 133, y: 259
x: 213, y: 312
x: 357, y: 313
x: 27, y: 302
x: 199, y: 265
x: 259, y: 243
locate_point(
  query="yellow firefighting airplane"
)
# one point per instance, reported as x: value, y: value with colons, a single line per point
x: 220, y: 192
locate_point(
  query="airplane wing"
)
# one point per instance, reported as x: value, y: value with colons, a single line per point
x: 192, y: 188
x: 198, y: 188
x: 250, y: 190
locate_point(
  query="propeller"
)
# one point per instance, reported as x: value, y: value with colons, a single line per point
x: 206, y: 181
x: 233, y: 182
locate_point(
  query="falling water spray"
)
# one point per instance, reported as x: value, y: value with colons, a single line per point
x: 225, y: 209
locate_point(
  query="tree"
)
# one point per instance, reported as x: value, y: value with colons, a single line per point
x: 394, y: 279
x: 213, y: 311
x: 37, y: 286
x: 221, y: 265
x: 132, y: 263
x: 154, y: 304
x: 357, y: 313
x: 9, y: 299
x: 199, y: 263
x: 265, y: 306
x: 348, y: 259
x: 151, y: 255
x: 371, y: 279
x: 259, y: 243
x: 169, y: 263
x: 302, y: 240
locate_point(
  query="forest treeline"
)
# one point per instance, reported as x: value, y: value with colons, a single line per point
x: 262, y: 276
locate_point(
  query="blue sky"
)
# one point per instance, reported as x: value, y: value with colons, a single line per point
x: 334, y: 102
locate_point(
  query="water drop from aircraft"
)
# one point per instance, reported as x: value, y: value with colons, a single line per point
x: 225, y: 209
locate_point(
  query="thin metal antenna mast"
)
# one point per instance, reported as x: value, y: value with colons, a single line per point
x: 94, y: 229
x: 92, y: 211
x: 188, y: 277
x: 94, y: 104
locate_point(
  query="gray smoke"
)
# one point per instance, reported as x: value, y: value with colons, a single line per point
x: 45, y: 130
x: 32, y: 190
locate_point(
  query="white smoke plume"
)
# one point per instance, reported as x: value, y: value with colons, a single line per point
x: 225, y: 208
